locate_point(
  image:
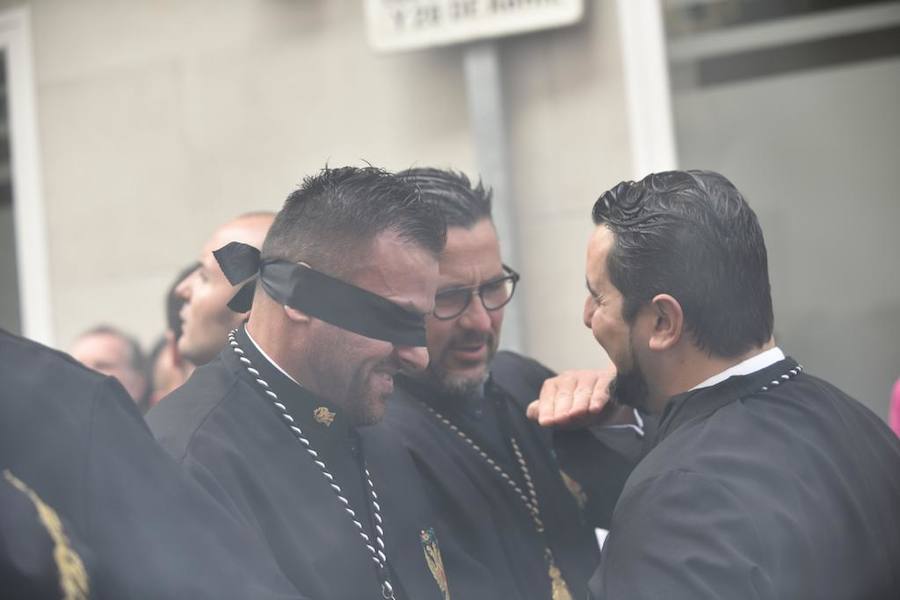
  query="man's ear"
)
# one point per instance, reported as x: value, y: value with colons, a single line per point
x: 668, y: 322
x: 295, y: 315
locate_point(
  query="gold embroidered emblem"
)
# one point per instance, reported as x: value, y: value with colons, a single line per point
x: 434, y: 560
x: 575, y: 489
x: 324, y: 416
x: 558, y: 588
x: 73, y: 579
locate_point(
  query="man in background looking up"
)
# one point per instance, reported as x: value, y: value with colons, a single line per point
x: 206, y: 318
x: 168, y: 368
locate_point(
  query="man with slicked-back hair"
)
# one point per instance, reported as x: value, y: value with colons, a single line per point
x: 762, y: 481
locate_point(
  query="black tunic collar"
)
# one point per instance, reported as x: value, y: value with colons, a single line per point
x: 697, y: 405
x: 322, y: 422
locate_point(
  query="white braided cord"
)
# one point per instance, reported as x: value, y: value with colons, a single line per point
x: 376, y: 554
x: 530, y: 500
x: 776, y: 382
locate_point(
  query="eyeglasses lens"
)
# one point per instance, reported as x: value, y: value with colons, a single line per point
x: 494, y: 295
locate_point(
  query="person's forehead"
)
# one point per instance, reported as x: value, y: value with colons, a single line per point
x: 103, y: 345
x: 249, y: 230
x: 599, y: 246
x: 400, y: 271
x: 471, y: 253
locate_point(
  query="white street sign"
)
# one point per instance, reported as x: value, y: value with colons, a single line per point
x: 410, y: 24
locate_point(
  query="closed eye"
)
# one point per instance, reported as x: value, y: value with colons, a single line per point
x: 598, y: 298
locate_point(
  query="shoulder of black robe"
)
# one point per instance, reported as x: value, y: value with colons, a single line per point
x: 477, y: 509
x: 228, y: 435
x: 793, y: 492
x: 76, y: 438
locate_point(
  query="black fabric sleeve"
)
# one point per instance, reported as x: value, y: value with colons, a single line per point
x: 159, y: 530
x: 598, y: 467
x: 681, y: 536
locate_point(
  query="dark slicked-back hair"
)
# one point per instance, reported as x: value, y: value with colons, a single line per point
x: 337, y: 213
x: 461, y: 203
x: 690, y: 234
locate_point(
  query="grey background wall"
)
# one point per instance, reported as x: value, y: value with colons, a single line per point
x: 160, y: 119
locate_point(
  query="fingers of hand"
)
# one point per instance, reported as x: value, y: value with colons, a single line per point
x: 581, y: 402
x: 599, y: 396
x: 549, y: 401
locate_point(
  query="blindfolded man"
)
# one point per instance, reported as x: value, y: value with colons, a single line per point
x: 271, y: 426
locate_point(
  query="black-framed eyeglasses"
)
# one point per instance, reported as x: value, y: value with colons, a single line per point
x: 494, y: 294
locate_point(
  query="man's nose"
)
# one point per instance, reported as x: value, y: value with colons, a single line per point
x: 588, y: 314
x: 476, y: 316
x: 183, y: 289
x: 412, y: 358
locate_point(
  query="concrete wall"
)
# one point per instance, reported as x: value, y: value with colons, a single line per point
x: 160, y: 119
x: 569, y: 143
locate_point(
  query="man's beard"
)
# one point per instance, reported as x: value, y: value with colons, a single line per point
x: 456, y: 386
x: 631, y: 388
x: 461, y: 386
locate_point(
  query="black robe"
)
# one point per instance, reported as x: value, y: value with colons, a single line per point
x: 478, y: 509
x: 229, y: 435
x: 792, y: 492
x: 73, y: 442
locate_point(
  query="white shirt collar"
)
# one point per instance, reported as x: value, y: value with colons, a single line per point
x: 267, y: 357
x: 751, y: 365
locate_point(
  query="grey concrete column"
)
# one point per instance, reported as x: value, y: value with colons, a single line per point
x: 485, y: 98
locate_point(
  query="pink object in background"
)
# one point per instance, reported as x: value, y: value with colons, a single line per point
x: 894, y: 418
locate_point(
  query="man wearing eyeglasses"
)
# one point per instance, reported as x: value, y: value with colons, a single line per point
x: 490, y: 473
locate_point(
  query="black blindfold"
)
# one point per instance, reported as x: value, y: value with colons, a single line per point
x: 319, y: 295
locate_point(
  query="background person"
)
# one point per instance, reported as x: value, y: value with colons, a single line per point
x: 205, y: 317
x: 112, y: 352
x: 168, y: 368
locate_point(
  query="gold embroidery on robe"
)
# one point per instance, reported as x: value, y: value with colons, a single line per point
x: 324, y: 416
x: 73, y: 579
x: 575, y: 489
x: 434, y: 560
x: 558, y: 588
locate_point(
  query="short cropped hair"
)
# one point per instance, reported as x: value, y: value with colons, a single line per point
x: 338, y: 212
x: 462, y: 203
x: 692, y: 235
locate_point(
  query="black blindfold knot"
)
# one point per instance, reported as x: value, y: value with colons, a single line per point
x: 239, y: 262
